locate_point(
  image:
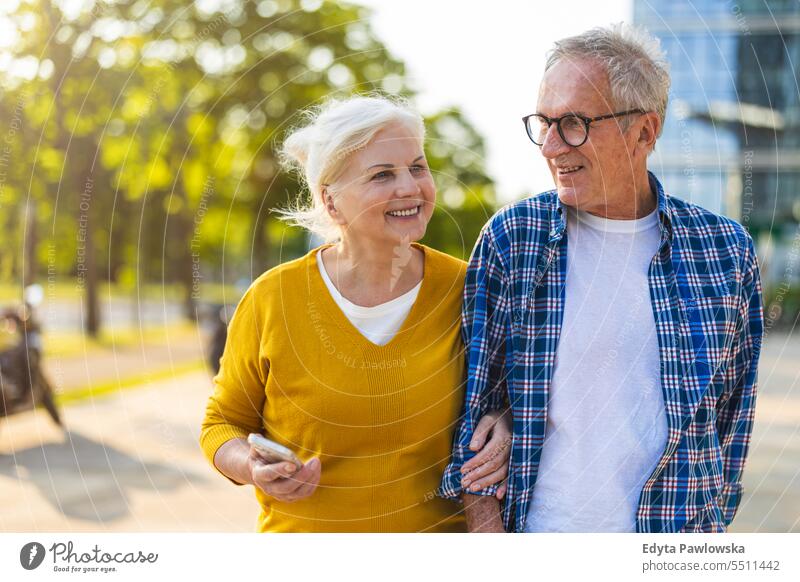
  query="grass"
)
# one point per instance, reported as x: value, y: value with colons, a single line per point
x: 70, y: 289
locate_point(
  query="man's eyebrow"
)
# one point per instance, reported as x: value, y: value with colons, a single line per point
x: 575, y: 112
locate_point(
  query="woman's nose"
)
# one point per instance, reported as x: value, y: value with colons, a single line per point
x: 407, y: 184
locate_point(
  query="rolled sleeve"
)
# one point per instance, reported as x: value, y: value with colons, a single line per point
x: 485, y: 328
x: 736, y: 409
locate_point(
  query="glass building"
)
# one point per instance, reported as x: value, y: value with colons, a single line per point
x: 731, y: 142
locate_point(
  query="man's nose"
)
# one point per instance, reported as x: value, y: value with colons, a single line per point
x: 553, y: 145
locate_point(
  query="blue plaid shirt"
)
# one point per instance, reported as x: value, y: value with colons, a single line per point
x: 706, y: 297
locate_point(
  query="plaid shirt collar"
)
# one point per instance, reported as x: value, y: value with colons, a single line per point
x: 558, y: 222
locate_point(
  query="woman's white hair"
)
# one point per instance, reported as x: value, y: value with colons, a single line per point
x: 319, y: 149
x: 637, y: 67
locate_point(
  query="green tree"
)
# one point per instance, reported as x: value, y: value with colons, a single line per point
x: 147, y: 130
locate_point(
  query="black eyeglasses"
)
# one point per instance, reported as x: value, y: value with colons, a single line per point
x: 573, y: 128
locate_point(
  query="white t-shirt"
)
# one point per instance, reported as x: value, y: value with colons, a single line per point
x: 606, y: 422
x: 378, y: 324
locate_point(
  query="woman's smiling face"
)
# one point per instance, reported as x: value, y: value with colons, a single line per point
x: 386, y: 194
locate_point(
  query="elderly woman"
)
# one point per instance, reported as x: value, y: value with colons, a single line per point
x: 352, y: 355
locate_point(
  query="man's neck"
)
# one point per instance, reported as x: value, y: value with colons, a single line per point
x: 634, y: 202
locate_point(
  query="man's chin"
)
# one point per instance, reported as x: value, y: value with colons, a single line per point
x: 568, y: 196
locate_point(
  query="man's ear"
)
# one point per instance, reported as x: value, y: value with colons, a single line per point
x: 649, y: 131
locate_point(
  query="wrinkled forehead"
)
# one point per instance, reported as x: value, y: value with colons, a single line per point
x: 574, y: 85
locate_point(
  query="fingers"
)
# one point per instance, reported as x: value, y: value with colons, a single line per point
x: 493, y: 459
x: 310, y: 471
x: 489, y: 459
x: 276, y: 479
x: 283, y: 482
x: 307, y: 488
x: 485, y: 424
x: 501, y: 490
x: 268, y: 473
x: 493, y: 454
x: 490, y: 479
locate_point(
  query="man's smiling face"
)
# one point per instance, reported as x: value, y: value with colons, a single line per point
x: 586, y: 176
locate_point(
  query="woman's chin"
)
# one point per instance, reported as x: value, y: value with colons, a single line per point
x: 410, y: 232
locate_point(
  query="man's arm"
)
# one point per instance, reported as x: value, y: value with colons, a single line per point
x: 483, y: 514
x: 736, y: 408
x: 485, y: 329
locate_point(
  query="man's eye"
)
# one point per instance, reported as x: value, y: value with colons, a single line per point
x: 417, y: 169
x: 571, y: 122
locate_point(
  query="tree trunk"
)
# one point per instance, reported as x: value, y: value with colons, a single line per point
x: 92, y: 304
x: 188, y: 264
x: 88, y: 270
x: 29, y: 257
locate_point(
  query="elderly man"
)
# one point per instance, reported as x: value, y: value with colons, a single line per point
x: 622, y: 326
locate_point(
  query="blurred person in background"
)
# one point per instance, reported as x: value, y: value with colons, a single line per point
x: 623, y: 325
x: 352, y: 355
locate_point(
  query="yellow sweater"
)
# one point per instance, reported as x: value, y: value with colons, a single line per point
x: 380, y: 418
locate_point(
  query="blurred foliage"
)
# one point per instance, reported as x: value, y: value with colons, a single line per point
x: 782, y: 307
x: 466, y: 197
x: 137, y: 136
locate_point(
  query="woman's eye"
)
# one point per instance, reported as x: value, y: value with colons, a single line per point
x: 381, y: 175
x: 418, y: 169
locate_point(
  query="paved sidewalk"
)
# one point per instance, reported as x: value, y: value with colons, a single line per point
x: 131, y: 461
x: 771, y: 501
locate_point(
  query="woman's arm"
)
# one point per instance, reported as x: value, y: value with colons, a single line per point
x: 235, y: 408
x: 231, y: 459
x: 240, y: 463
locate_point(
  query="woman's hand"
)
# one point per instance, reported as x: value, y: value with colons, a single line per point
x: 490, y: 465
x: 284, y: 481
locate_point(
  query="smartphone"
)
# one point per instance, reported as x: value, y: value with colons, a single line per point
x: 272, y: 452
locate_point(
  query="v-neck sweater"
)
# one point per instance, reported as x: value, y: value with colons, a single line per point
x: 379, y: 323
x: 380, y: 418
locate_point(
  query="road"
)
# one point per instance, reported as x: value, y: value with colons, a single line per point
x: 130, y: 461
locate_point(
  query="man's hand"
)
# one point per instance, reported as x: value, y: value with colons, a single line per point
x: 483, y: 514
x: 490, y: 465
x: 282, y: 480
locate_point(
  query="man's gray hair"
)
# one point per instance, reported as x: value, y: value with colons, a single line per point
x: 637, y: 67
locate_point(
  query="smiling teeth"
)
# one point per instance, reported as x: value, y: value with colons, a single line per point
x: 570, y: 169
x: 409, y: 212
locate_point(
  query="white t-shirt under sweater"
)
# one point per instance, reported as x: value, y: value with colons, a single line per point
x: 378, y: 324
x: 606, y: 422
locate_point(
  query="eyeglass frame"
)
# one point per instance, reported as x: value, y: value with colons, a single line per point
x: 586, y: 122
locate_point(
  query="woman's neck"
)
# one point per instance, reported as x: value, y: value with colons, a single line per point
x: 370, y: 275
